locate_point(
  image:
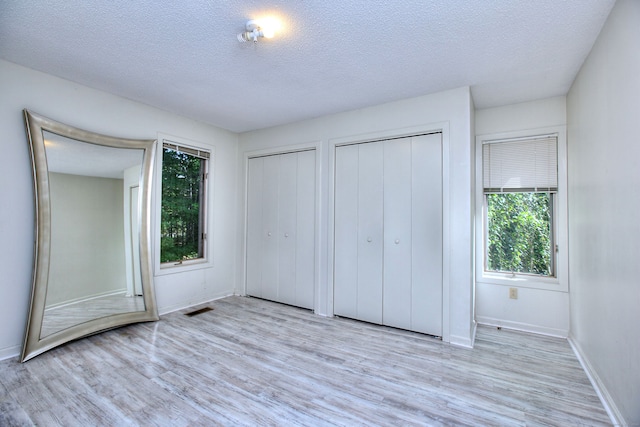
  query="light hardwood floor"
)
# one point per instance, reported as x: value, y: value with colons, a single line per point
x: 253, y: 362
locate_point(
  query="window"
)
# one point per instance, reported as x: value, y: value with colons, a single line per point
x: 520, y: 233
x: 183, y: 208
x: 520, y: 186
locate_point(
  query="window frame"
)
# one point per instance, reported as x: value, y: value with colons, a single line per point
x: 193, y: 264
x: 559, y: 282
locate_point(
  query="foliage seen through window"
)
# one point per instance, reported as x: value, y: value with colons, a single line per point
x: 519, y: 233
x: 182, y: 206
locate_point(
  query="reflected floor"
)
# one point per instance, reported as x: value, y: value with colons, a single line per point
x: 60, y: 318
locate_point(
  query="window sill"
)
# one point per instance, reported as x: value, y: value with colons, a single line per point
x: 174, y: 267
x: 521, y: 281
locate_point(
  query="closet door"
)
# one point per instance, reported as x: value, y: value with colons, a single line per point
x: 358, y: 232
x: 286, y: 231
x: 269, y: 254
x: 281, y: 228
x: 397, y: 234
x: 305, y: 229
x: 345, y: 282
x: 426, y: 224
x: 255, y: 228
x: 370, y: 236
x: 388, y: 233
x: 413, y: 234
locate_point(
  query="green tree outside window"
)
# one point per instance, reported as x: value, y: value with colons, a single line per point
x: 181, y: 214
x: 519, y: 233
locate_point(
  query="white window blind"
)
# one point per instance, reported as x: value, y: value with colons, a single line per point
x: 529, y: 164
x: 203, y: 154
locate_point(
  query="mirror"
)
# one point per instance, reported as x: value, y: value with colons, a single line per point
x: 92, y: 266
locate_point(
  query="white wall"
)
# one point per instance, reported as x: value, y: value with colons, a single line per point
x: 100, y: 112
x: 536, y: 310
x: 527, y: 115
x: 455, y: 109
x: 604, y: 210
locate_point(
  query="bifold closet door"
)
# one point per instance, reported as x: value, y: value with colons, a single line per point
x: 388, y: 233
x: 358, y: 236
x: 281, y: 228
x: 413, y: 234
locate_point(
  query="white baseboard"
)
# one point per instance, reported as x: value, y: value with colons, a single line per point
x: 205, y: 299
x: 609, y: 405
x: 466, y: 342
x: 525, y: 327
x: 9, y: 352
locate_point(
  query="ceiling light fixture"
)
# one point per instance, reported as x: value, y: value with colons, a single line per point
x: 254, y: 29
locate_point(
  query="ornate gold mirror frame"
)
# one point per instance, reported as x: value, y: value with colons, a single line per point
x: 59, y: 315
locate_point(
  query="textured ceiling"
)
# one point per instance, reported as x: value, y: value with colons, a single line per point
x: 330, y: 56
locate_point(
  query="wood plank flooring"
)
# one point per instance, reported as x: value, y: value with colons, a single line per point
x: 254, y: 362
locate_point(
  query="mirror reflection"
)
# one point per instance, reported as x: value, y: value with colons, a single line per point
x: 92, y: 263
x: 94, y: 232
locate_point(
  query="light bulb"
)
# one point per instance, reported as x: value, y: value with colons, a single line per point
x: 267, y: 33
x: 269, y: 27
x: 265, y: 27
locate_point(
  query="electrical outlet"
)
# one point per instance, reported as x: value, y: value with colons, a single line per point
x: 513, y: 293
